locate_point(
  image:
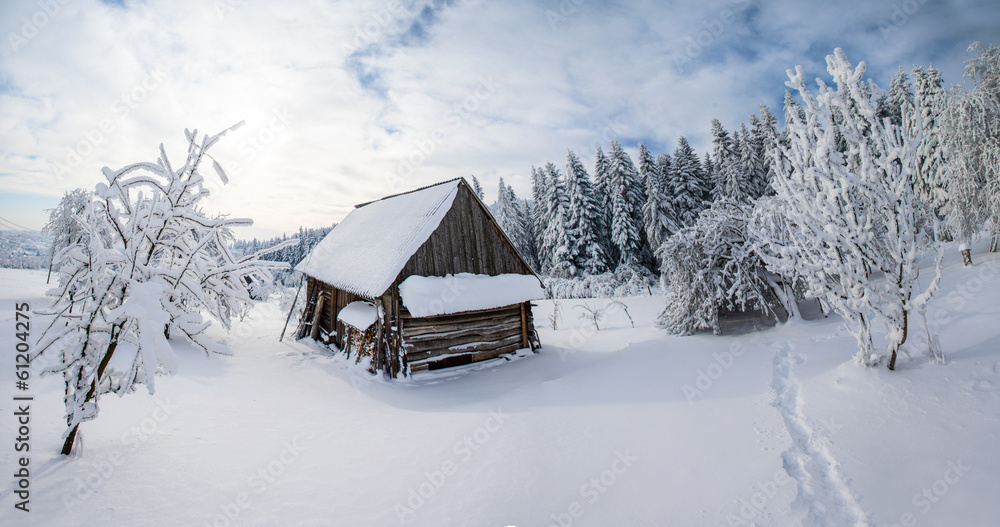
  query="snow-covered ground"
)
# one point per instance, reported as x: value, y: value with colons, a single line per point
x: 620, y: 426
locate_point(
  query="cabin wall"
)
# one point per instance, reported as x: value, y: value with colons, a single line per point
x: 431, y: 343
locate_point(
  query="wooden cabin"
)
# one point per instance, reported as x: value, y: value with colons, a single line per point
x: 428, y: 279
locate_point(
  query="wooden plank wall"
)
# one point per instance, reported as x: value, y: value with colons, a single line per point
x: 431, y: 343
x: 466, y: 241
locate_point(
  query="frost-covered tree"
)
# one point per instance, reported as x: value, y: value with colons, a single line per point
x: 686, y: 185
x: 754, y: 174
x: 625, y: 192
x: 65, y: 225
x: 849, y: 215
x: 555, y: 244
x: 152, y: 265
x: 925, y: 109
x: 478, y: 189
x: 602, y: 196
x: 511, y: 217
x: 765, y: 131
x: 657, y: 211
x: 710, y: 266
x: 582, y: 227
x: 971, y: 144
x: 901, y: 99
x: 728, y: 178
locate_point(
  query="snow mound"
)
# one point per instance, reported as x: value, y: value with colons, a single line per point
x: 359, y: 315
x: 426, y: 296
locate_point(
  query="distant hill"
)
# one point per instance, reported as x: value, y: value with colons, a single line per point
x: 24, y: 249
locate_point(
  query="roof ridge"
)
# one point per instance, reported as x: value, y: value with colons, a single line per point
x: 358, y: 206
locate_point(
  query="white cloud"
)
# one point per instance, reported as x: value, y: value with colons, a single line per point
x: 506, y: 85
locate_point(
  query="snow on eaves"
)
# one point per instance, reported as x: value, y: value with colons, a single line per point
x: 426, y: 296
x: 366, y: 251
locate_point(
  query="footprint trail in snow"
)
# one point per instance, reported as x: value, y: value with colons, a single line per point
x: 821, y: 488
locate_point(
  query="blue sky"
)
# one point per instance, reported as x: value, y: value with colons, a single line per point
x: 349, y: 101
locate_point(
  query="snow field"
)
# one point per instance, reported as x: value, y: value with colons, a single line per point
x: 597, y: 429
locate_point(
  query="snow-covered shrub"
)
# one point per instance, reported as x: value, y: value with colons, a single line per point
x: 150, y: 264
x: 844, y: 191
x: 709, y: 267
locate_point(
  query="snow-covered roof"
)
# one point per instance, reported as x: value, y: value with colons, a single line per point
x: 426, y: 296
x: 360, y: 315
x: 366, y: 251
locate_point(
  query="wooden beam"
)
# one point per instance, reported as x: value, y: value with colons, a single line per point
x: 316, y: 316
x: 524, y: 328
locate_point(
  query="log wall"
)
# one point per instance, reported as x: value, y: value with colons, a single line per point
x: 431, y: 343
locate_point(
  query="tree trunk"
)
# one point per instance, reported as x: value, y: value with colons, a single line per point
x: 892, y: 360
x: 68, y: 444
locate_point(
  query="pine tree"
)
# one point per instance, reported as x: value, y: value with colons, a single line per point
x: 656, y: 211
x: 555, y: 242
x: 929, y: 102
x: 510, y: 217
x: 602, y: 196
x: 685, y: 185
x: 626, y: 207
x: 586, y: 250
x: 478, y: 189
x: 901, y: 100
x: 727, y: 177
x: 539, y: 208
x: 765, y: 131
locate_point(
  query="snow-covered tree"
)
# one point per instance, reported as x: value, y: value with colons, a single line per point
x: 478, y: 189
x: 554, y: 245
x: 602, y: 196
x: 657, y: 211
x: 625, y: 192
x: 153, y: 262
x: 972, y: 148
x: 65, y: 225
x: 710, y: 267
x: 511, y: 218
x: 754, y: 174
x: 850, y: 214
x: 765, y: 131
x: 582, y: 227
x: 928, y: 104
x: 728, y: 178
x: 686, y: 185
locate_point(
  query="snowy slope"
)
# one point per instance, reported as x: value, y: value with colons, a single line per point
x: 620, y: 426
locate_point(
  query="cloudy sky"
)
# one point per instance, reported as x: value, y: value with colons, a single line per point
x: 348, y: 101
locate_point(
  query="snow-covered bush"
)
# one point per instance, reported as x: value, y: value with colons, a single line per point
x: 844, y: 191
x: 709, y: 267
x: 152, y: 262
